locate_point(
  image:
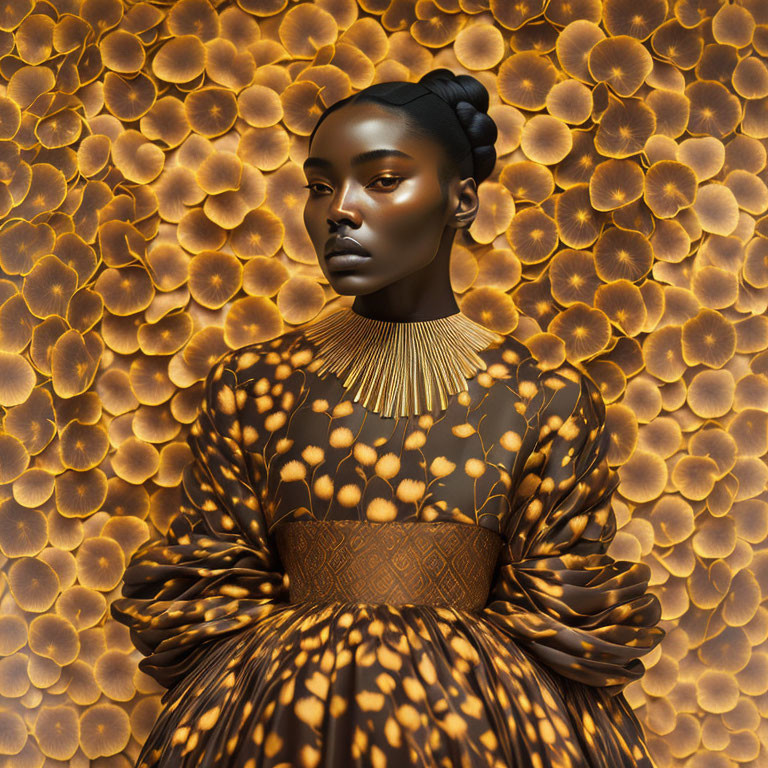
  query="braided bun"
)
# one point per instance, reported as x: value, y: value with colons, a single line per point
x: 469, y: 99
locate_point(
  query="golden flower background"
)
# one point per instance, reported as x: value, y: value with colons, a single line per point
x: 151, y: 201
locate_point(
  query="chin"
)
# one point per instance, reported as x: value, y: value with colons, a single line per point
x: 345, y: 286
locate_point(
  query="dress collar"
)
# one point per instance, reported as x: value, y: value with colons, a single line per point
x: 400, y: 368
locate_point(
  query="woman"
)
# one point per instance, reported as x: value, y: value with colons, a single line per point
x: 392, y: 543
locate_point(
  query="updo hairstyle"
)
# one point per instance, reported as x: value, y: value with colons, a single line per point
x: 451, y: 109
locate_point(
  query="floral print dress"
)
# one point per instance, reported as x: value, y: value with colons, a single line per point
x: 532, y: 680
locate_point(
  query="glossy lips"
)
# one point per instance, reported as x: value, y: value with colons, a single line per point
x: 345, y: 253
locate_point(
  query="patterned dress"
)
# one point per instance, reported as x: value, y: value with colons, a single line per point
x: 531, y: 679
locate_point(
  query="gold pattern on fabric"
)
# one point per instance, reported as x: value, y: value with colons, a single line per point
x: 400, y: 368
x: 396, y: 563
x: 533, y: 679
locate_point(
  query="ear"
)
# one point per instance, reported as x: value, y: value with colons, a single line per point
x: 466, y: 203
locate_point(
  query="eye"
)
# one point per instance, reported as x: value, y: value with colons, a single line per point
x: 396, y: 179
x: 392, y: 183
x: 311, y: 186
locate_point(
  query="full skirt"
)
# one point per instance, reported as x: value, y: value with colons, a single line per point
x: 355, y: 685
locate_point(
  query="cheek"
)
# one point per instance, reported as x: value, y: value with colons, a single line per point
x: 311, y: 214
x: 418, y: 212
x: 307, y: 217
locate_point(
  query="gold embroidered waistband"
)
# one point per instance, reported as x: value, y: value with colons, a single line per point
x: 438, y: 563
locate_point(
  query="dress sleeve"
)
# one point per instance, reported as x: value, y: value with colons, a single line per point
x: 556, y: 591
x: 216, y: 571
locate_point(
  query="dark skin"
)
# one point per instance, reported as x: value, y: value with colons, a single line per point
x: 394, y: 206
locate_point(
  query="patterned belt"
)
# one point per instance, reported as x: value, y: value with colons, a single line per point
x: 439, y: 563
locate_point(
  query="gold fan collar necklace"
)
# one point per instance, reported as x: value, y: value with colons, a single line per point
x: 399, y: 368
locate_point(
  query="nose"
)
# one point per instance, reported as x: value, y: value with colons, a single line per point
x: 342, y: 207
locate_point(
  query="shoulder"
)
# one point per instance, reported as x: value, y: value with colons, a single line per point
x: 572, y: 401
x: 564, y: 387
x: 271, y: 359
x: 250, y: 370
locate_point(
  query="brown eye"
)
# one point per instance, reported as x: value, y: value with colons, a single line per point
x: 396, y: 179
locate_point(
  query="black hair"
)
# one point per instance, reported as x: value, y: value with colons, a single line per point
x: 469, y: 145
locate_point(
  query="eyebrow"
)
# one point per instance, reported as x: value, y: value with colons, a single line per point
x: 363, y: 157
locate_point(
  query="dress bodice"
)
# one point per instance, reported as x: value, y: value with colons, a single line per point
x: 318, y: 455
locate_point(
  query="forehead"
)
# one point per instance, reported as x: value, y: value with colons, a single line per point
x: 369, y: 126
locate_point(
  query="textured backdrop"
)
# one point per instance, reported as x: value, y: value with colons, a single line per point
x: 151, y: 219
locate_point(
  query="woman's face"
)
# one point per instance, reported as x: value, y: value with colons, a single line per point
x: 372, y: 180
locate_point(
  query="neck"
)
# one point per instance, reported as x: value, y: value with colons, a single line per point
x: 423, y: 295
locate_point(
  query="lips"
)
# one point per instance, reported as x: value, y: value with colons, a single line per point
x: 343, y: 261
x: 340, y: 245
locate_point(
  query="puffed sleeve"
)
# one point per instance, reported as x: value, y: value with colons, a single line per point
x: 556, y: 591
x: 216, y: 571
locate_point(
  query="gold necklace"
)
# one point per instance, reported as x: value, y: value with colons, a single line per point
x: 400, y: 368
